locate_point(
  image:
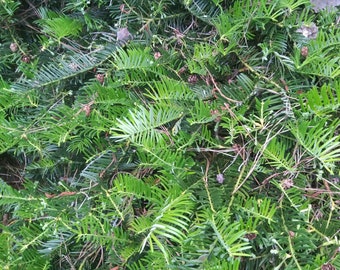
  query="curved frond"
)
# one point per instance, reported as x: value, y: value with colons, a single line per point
x: 144, y: 125
x: 319, y: 142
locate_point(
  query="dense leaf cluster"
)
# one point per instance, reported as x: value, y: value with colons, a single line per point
x: 169, y: 135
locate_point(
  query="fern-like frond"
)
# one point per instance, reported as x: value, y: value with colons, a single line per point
x: 278, y: 155
x: 60, y: 27
x: 127, y: 185
x: 260, y: 210
x: 95, y: 229
x: 143, y: 125
x: 229, y: 235
x: 56, y: 244
x: 133, y: 58
x: 164, y: 158
x: 61, y: 70
x: 136, y: 65
x: 322, y: 61
x: 200, y: 112
x: 7, y: 9
x: 323, y: 101
x: 319, y: 141
x: 10, y: 196
x: 168, y: 221
x: 204, y: 10
x: 169, y: 90
x: 99, y: 166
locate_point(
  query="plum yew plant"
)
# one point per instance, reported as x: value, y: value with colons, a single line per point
x: 195, y: 134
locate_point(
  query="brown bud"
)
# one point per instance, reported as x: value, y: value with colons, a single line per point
x: 13, y: 47
x: 182, y: 70
x: 100, y: 77
x: 327, y: 266
x: 250, y: 236
x: 157, y: 55
x: 26, y: 59
x: 87, y: 109
x: 216, y: 114
x: 237, y: 148
x: 304, y: 51
x: 287, y: 183
x: 192, y: 79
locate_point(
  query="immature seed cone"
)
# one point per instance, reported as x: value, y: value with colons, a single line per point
x: 192, y: 79
x: 13, y: 47
x: 304, y: 51
x: 157, y: 55
x: 250, y: 236
x: 100, y: 77
x: 327, y: 266
x: 25, y: 58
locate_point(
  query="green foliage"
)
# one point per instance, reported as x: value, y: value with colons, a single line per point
x: 168, y: 135
x: 58, y: 26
